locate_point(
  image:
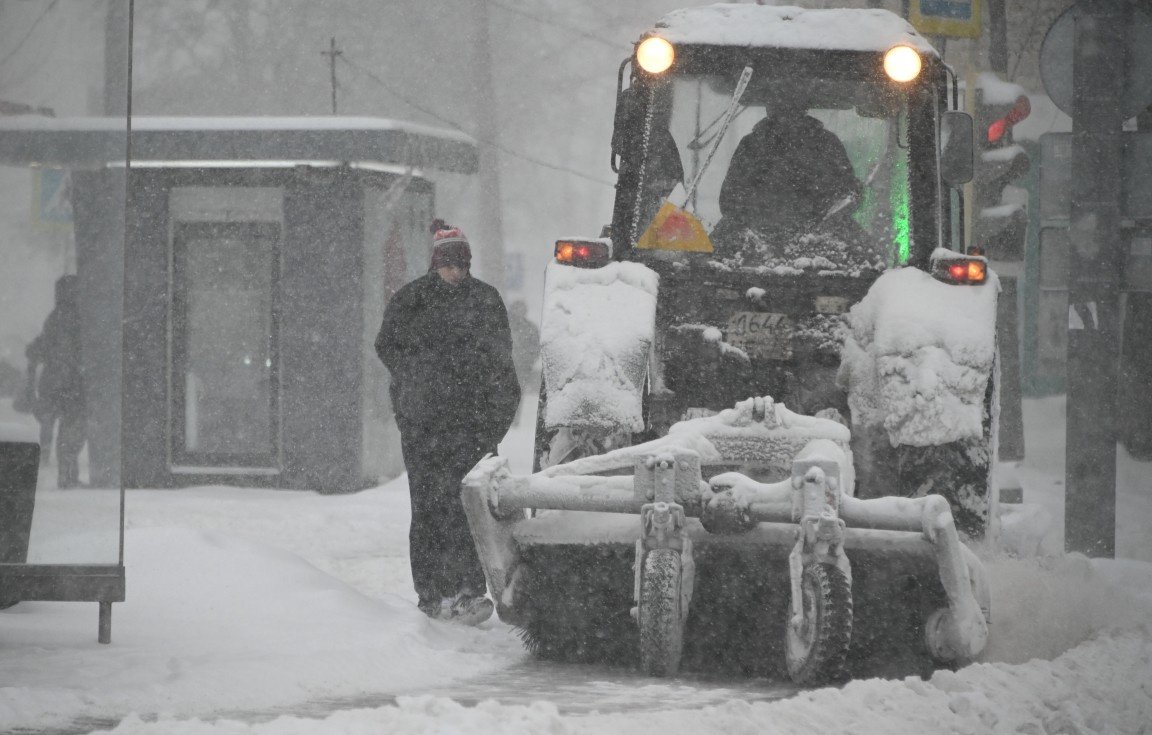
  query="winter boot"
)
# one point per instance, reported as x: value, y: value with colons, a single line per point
x: 435, y: 609
x: 469, y: 609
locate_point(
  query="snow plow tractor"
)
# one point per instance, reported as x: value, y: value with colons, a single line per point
x: 767, y: 420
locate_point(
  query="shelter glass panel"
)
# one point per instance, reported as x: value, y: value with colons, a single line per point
x: 62, y: 218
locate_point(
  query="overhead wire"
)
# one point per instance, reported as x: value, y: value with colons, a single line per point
x: 558, y: 24
x: 28, y: 34
x: 456, y: 126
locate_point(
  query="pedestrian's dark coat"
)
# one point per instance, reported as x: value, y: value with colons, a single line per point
x: 60, y: 389
x: 449, y: 351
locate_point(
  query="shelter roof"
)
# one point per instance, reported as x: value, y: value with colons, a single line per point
x: 82, y: 142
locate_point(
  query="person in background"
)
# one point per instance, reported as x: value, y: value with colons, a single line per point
x: 56, y: 383
x: 788, y: 176
x: 525, y: 345
x: 446, y: 343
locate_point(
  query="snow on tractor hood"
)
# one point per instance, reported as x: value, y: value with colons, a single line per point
x: 918, y: 354
x: 790, y: 27
x: 595, y: 335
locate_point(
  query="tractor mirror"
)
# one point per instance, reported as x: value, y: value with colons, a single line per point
x: 627, y: 123
x: 956, y: 148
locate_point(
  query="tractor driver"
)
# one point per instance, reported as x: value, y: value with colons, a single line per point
x: 789, y: 176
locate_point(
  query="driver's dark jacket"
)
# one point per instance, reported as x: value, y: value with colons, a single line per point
x: 449, y: 350
x: 785, y: 176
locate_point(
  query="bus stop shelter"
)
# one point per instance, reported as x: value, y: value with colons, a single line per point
x: 227, y: 331
x: 232, y: 274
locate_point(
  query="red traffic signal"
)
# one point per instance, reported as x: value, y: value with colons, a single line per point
x: 1020, y: 110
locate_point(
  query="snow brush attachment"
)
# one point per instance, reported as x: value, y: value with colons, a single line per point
x: 646, y: 564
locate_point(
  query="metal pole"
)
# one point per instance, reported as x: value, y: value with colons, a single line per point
x: 1136, y: 361
x: 332, y: 53
x: 1099, y: 71
x: 997, y: 37
x: 491, y: 251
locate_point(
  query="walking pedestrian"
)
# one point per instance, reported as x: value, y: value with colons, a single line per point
x: 56, y: 385
x: 446, y: 343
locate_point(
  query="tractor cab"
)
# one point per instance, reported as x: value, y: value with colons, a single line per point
x: 772, y: 162
x: 792, y: 139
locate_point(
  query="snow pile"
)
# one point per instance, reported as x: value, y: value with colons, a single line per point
x: 824, y: 252
x: 713, y: 337
x: 917, y: 357
x: 756, y: 431
x: 995, y: 91
x: 411, y: 716
x: 596, y: 332
x: 1101, y: 686
x: 790, y: 27
x: 215, y: 623
x: 760, y: 431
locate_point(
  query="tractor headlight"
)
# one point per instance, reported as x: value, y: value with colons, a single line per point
x: 655, y: 55
x: 902, y: 63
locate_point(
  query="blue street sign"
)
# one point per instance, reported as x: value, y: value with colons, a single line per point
x: 51, y: 196
x: 953, y: 18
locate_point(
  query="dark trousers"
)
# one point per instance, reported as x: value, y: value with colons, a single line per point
x: 70, y: 439
x: 444, y: 560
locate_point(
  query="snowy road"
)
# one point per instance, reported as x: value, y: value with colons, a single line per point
x: 270, y: 612
x: 573, y: 689
x: 581, y: 690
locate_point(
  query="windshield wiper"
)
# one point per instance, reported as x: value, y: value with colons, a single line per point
x: 729, y: 115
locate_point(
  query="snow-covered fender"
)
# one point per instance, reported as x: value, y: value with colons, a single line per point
x: 596, y: 334
x: 918, y: 356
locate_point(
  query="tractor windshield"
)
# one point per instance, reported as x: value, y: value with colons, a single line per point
x: 812, y: 173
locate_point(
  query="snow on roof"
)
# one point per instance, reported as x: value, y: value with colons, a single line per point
x: 996, y: 91
x: 1045, y: 117
x: 790, y: 27
x: 97, y: 141
x: 192, y: 124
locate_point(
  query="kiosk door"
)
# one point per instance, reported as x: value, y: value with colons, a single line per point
x: 224, y: 397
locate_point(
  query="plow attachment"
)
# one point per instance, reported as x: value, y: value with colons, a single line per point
x: 659, y: 567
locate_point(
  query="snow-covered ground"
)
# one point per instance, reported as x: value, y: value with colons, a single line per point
x: 261, y: 611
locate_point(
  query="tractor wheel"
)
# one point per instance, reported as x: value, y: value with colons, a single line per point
x: 816, y: 652
x: 660, y: 616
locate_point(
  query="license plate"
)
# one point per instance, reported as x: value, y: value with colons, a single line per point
x: 762, y: 335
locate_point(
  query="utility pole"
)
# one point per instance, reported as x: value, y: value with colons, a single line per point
x: 487, y: 131
x: 332, y: 53
x: 998, y: 37
x: 1100, y: 67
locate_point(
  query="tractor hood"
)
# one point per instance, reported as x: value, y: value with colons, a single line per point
x: 763, y: 26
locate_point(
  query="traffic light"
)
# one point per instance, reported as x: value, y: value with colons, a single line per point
x: 1001, y: 221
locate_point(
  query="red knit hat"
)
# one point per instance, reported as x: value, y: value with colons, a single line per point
x: 450, y: 247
